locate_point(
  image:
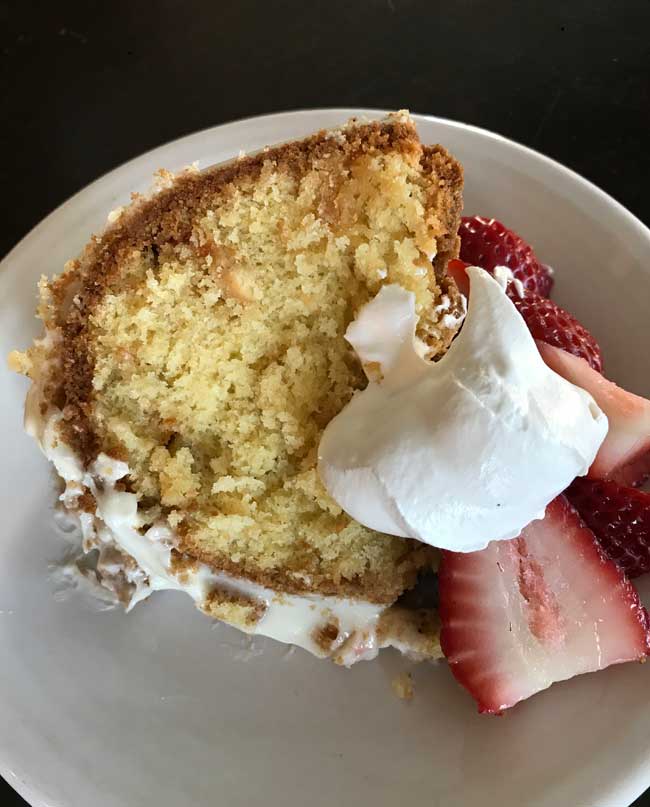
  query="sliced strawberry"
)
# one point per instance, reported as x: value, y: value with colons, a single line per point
x: 555, y: 326
x: 619, y: 518
x: 548, y: 605
x: 545, y: 320
x: 625, y: 454
x: 636, y: 471
x: 487, y: 243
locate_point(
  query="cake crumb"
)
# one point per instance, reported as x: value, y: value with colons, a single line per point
x: 18, y: 362
x: 402, y: 686
x: 114, y: 215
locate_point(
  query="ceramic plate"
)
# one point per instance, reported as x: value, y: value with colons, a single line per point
x: 162, y: 707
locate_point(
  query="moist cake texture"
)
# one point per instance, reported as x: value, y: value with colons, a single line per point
x: 200, y: 341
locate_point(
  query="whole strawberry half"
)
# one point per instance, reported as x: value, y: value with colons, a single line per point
x: 619, y: 517
x: 624, y: 456
x: 520, y: 614
x: 488, y: 243
x: 545, y: 320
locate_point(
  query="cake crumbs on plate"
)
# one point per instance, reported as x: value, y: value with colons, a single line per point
x: 403, y: 686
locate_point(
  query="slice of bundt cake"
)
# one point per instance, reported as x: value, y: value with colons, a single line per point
x: 194, y: 354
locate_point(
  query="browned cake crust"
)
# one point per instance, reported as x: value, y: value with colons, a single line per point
x: 438, y: 161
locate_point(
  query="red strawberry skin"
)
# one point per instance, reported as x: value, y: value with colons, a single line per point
x: 624, y: 456
x: 619, y: 517
x: 487, y: 243
x: 543, y: 607
x: 545, y: 320
x: 456, y: 269
x: 551, y: 324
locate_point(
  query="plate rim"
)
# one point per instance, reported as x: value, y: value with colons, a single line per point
x: 345, y: 112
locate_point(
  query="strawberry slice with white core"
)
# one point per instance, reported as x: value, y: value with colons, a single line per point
x: 543, y: 607
x: 625, y: 453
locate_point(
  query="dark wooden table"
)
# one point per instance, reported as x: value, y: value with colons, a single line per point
x: 86, y: 86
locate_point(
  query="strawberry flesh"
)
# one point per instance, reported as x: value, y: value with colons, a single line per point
x: 619, y: 517
x: 543, y: 607
x: 625, y: 453
x: 488, y: 243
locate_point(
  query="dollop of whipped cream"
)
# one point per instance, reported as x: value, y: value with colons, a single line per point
x: 463, y: 451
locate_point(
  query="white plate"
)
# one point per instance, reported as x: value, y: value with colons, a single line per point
x: 159, y: 707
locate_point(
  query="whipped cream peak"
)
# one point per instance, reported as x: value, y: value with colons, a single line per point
x: 383, y: 337
x: 465, y: 450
